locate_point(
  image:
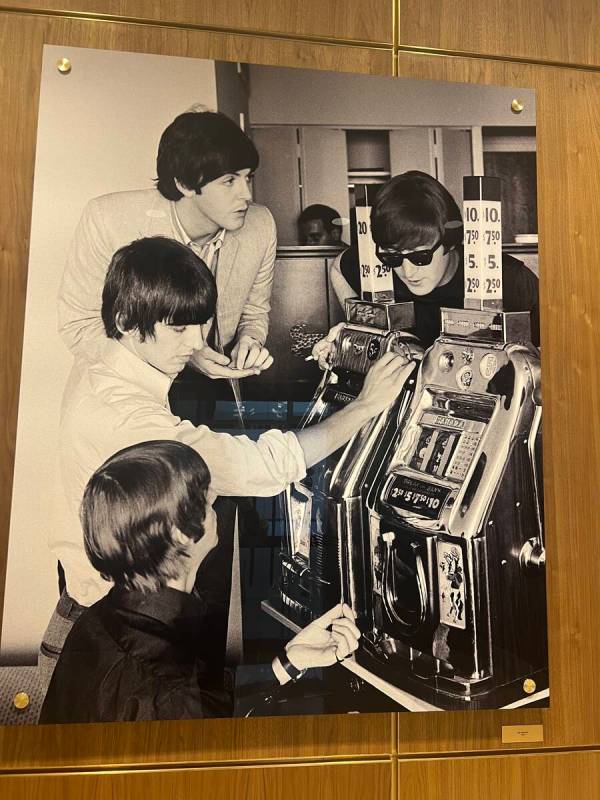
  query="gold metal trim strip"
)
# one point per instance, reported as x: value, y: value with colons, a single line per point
x: 93, y: 16
x: 395, y: 732
x: 394, y: 780
x: 395, y: 35
x: 436, y: 51
x: 499, y: 752
x: 185, y: 767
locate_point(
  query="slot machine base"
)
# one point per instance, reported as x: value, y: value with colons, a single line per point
x: 438, y: 692
x: 411, y: 693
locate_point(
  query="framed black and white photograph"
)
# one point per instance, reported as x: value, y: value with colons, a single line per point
x: 280, y: 419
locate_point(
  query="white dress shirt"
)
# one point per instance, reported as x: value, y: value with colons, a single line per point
x: 205, y: 251
x: 120, y: 400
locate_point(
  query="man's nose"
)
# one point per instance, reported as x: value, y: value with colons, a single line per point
x: 194, y: 336
x: 411, y: 272
x: 245, y: 191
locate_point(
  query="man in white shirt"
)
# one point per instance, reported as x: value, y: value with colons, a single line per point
x: 157, y: 297
x: 202, y: 198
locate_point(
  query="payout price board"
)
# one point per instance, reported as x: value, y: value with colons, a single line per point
x: 482, y: 216
x: 376, y: 280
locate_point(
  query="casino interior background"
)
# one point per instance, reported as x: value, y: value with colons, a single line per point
x: 422, y: 756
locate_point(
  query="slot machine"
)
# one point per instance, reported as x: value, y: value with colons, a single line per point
x: 324, y: 514
x: 455, y: 581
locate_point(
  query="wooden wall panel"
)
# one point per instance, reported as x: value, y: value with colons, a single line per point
x: 21, y: 40
x: 319, y: 782
x: 569, y: 210
x: 542, y: 777
x: 568, y: 163
x: 560, y: 30
x: 337, y: 19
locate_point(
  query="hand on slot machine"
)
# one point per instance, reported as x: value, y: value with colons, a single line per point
x: 323, y: 351
x: 328, y: 639
x: 384, y: 382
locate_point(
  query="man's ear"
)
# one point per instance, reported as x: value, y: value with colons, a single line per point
x: 122, y: 329
x: 185, y: 191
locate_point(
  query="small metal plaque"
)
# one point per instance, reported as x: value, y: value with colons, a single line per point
x: 383, y: 316
x: 522, y: 733
x: 485, y: 325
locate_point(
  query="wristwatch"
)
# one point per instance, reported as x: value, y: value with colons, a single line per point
x: 290, y: 670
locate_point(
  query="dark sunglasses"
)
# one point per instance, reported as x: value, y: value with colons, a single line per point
x: 394, y: 258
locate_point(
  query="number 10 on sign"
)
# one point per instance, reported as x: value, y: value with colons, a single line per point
x: 482, y: 242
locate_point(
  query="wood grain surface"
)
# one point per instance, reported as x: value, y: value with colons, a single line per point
x: 560, y: 30
x: 551, y: 31
x: 358, y: 781
x: 337, y: 19
x: 21, y: 40
x: 569, y: 209
x: 552, y: 776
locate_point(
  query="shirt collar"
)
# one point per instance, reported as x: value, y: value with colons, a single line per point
x: 216, y: 240
x: 170, y: 606
x: 134, y: 370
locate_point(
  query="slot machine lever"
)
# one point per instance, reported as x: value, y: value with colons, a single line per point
x: 533, y: 552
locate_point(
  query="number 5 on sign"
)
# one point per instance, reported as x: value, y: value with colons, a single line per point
x: 483, y: 242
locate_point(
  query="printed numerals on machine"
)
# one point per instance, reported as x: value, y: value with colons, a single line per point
x: 416, y: 496
x: 376, y: 280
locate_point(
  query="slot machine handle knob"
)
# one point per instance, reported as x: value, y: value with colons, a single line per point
x: 532, y: 556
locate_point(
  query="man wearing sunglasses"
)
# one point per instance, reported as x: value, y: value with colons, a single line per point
x: 418, y: 231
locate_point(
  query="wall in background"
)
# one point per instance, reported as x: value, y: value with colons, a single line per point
x: 366, y: 750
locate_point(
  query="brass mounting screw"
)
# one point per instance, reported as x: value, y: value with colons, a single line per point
x: 529, y: 686
x: 21, y: 700
x: 517, y: 106
x: 63, y: 65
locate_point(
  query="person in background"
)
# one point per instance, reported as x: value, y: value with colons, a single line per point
x: 418, y: 232
x: 137, y: 654
x: 202, y: 199
x: 320, y: 225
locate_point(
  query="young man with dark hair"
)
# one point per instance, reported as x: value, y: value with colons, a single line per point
x: 320, y: 225
x: 138, y: 654
x: 157, y: 297
x: 418, y: 231
x: 203, y: 200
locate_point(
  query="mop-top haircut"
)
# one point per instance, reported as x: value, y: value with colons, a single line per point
x: 199, y: 147
x: 156, y: 280
x: 131, y: 506
x: 412, y: 210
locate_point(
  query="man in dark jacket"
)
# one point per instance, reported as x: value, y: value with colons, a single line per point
x: 143, y: 652
x: 418, y: 231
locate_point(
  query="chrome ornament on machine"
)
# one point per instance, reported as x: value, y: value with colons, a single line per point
x: 325, y: 513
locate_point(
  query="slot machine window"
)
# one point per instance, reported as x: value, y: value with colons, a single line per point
x: 434, y: 450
